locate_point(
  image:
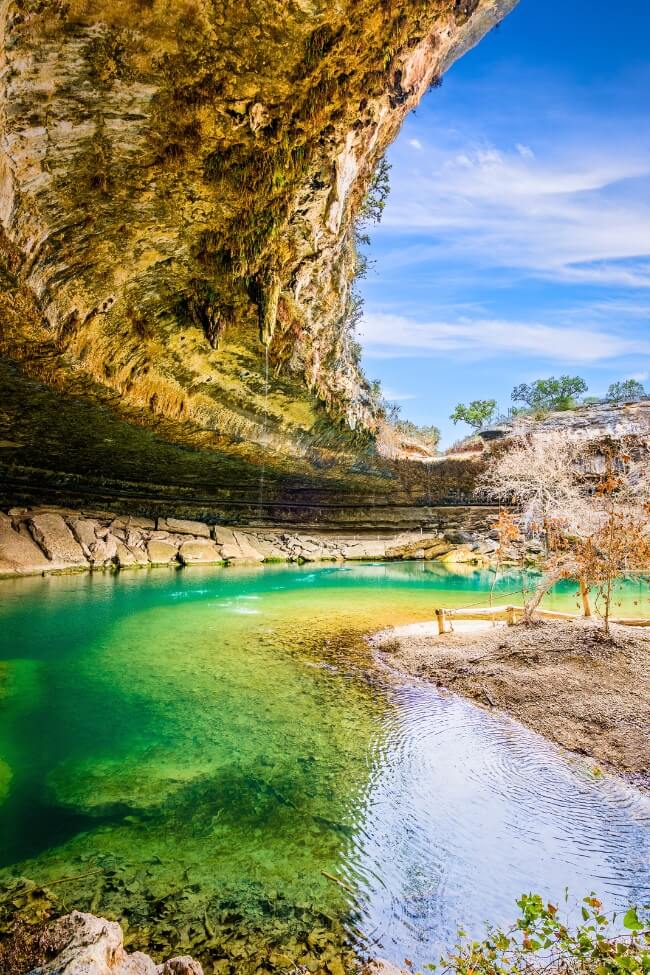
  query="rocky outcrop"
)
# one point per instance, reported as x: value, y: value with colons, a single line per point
x: 82, y: 944
x: 178, y: 193
x: 590, y: 422
x: 37, y: 541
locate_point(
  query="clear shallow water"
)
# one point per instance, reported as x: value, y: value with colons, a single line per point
x: 214, y: 744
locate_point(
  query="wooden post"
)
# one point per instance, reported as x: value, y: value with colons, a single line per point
x: 584, y: 592
x: 511, y: 616
x: 440, y: 616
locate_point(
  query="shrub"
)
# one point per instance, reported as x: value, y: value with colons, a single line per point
x: 541, y: 941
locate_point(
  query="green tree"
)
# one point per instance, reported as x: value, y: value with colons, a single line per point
x: 550, y: 394
x: 476, y: 414
x: 629, y: 389
x: 374, y: 202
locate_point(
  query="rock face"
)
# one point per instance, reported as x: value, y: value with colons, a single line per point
x: 89, y: 945
x: 69, y: 541
x: 617, y: 420
x: 178, y: 191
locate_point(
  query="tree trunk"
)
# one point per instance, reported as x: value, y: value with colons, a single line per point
x: 566, y: 570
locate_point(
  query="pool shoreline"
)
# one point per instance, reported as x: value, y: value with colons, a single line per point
x: 564, y: 680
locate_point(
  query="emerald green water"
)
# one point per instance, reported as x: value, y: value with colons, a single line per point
x: 201, y: 749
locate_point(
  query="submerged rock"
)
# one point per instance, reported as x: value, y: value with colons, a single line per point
x: 89, y: 945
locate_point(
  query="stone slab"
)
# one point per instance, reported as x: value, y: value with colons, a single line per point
x: 57, y: 541
x: 183, y: 526
x: 19, y: 554
x: 161, y: 553
x: 200, y: 551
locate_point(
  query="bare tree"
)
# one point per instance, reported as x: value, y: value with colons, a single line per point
x: 537, y: 474
x: 589, y: 498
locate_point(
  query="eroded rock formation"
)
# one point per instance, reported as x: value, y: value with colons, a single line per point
x: 43, y: 540
x: 178, y: 192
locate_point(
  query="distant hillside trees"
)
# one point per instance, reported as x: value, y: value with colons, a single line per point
x: 550, y: 394
x: 626, y: 391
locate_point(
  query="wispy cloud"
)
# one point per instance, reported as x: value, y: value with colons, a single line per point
x: 397, y: 397
x: 392, y: 336
x: 571, y: 218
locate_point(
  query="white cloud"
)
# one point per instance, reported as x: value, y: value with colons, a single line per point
x: 396, y: 397
x: 415, y: 143
x: 524, y: 151
x: 385, y: 335
x: 639, y: 376
x: 570, y: 217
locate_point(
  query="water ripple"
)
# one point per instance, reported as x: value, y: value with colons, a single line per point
x: 467, y: 809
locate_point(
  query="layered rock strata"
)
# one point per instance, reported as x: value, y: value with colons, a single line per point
x: 43, y: 540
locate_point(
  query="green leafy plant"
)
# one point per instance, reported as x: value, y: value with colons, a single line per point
x: 476, y: 414
x: 542, y: 942
x: 550, y: 394
x: 626, y: 391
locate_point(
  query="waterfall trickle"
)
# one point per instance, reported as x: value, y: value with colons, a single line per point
x: 260, y: 504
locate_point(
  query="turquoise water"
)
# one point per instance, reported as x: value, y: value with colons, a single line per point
x: 209, y: 756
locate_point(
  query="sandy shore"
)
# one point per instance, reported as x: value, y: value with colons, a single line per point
x: 563, y: 679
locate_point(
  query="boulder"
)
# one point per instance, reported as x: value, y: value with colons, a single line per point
x: 369, y: 549
x: 230, y: 553
x: 248, y: 549
x: 19, y: 554
x: 126, y: 556
x: 236, y: 546
x: 57, y: 541
x: 223, y: 536
x: 83, y: 530
x: 134, y: 538
x: 487, y: 547
x: 459, y: 555
x: 182, y: 526
x: 200, y: 550
x: 89, y: 945
x: 135, y: 521
x: 271, y: 548
x: 418, y: 547
x: 161, y: 553
x: 104, y: 549
x: 460, y: 537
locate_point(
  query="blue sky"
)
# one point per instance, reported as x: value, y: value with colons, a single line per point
x: 516, y: 240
